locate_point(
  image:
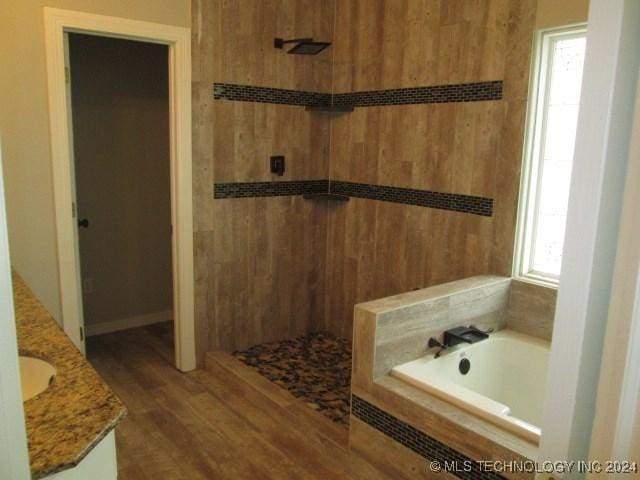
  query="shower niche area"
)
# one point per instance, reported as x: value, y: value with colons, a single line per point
x: 400, y: 129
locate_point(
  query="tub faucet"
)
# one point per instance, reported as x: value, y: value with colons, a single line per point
x: 434, y: 343
x: 483, y: 330
x: 458, y: 335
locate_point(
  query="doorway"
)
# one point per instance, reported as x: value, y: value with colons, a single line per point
x: 59, y: 23
x: 119, y: 92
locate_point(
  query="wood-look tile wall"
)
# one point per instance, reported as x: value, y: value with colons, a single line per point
x: 259, y: 261
x: 378, y: 249
x: 270, y: 268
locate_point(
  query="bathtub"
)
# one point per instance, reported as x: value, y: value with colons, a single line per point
x: 504, y: 381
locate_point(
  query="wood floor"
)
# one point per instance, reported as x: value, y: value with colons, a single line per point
x: 224, y: 422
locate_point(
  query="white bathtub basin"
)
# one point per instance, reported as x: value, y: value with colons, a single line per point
x: 504, y: 385
x: 35, y: 376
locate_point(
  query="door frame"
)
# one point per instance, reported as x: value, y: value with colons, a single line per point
x: 178, y: 40
x: 618, y: 400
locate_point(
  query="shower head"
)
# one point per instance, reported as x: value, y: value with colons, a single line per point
x: 304, y: 46
x: 309, y: 48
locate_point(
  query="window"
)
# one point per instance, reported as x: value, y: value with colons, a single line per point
x: 550, y: 139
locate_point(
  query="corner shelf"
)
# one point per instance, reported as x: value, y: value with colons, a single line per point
x: 334, y: 197
x: 330, y: 109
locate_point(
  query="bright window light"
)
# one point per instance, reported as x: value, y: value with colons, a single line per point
x: 551, y: 133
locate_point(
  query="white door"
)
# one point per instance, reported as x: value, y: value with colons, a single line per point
x: 73, y: 326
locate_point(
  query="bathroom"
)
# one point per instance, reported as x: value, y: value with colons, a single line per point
x: 340, y: 198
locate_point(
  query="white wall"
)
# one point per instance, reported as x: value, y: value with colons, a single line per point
x: 602, y: 145
x: 14, y: 458
x: 25, y: 127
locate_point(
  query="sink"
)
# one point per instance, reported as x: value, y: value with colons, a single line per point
x: 35, y: 376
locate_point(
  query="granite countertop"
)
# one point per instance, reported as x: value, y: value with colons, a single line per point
x: 69, y: 418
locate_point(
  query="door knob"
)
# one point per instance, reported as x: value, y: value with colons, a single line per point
x: 83, y: 223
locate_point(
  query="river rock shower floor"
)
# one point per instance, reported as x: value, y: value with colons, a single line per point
x: 316, y: 368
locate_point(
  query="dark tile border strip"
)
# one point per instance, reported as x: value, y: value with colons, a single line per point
x: 408, y: 196
x: 421, y: 198
x: 419, y: 442
x: 466, y: 92
x: 249, y: 93
x: 269, y: 189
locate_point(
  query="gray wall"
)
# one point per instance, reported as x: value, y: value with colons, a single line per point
x: 121, y: 136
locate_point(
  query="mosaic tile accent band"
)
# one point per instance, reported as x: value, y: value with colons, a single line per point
x: 421, y: 198
x: 409, y: 196
x: 419, y: 442
x: 467, y: 92
x: 269, y: 189
x: 249, y: 93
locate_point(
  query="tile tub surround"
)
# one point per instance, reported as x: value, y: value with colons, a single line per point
x: 427, y: 447
x: 402, y: 333
x: 532, y: 309
x: 450, y: 434
x: 394, y: 330
x: 78, y: 410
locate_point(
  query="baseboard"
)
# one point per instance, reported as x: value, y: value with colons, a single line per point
x: 125, y: 323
